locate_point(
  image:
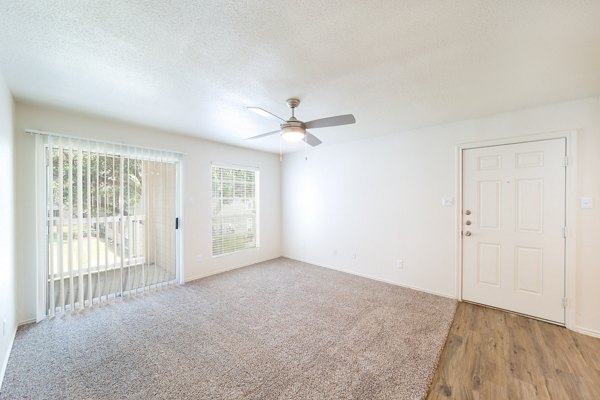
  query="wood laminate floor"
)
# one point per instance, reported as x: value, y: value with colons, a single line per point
x: 491, y: 354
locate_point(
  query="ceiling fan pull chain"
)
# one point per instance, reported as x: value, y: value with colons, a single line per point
x: 305, y: 149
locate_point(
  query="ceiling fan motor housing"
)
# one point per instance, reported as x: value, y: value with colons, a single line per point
x: 293, y: 122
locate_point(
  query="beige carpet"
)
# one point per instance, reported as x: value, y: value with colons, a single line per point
x: 281, y: 329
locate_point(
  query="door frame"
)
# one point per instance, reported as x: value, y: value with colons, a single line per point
x: 570, y: 210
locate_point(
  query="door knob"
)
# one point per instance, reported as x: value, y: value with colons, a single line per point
x: 468, y: 212
x: 467, y: 233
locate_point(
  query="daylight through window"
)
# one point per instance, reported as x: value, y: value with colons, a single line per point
x: 234, y: 209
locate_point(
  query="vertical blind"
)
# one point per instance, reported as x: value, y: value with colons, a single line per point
x: 110, y: 217
x: 234, y: 209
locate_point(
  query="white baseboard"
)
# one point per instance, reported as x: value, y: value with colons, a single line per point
x: 376, y: 278
x: 585, y: 331
x: 213, y: 272
x: 5, y: 361
x: 221, y: 270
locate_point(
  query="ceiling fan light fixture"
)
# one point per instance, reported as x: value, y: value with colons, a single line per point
x: 293, y: 133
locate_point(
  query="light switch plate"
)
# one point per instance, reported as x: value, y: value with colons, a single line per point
x: 447, y: 201
x: 587, y: 202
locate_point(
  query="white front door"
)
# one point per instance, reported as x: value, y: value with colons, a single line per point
x: 513, y: 222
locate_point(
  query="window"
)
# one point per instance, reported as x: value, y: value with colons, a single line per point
x: 234, y: 209
x: 109, y: 212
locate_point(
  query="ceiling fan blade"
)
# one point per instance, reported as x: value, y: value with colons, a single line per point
x: 265, y: 113
x: 263, y: 135
x: 330, y: 121
x: 312, y: 139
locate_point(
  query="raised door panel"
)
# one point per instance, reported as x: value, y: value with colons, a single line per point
x: 529, y: 159
x: 486, y: 163
x: 529, y: 270
x: 530, y: 205
x: 489, y: 264
x: 489, y: 193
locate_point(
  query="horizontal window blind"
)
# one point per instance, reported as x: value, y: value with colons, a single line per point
x: 234, y: 209
x: 110, y: 217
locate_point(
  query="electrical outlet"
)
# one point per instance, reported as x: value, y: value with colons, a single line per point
x: 199, y: 257
x: 335, y: 252
x: 354, y: 256
x: 400, y: 264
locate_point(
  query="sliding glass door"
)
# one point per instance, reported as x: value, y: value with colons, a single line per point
x: 111, y: 219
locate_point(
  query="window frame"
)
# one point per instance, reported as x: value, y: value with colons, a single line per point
x: 255, y: 200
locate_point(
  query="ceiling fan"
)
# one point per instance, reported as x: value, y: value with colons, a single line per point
x: 295, y: 130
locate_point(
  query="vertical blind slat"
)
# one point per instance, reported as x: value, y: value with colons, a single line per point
x: 61, y: 190
x: 149, y: 249
x: 162, y: 204
x: 70, y: 230
x: 106, y: 244
x: 50, y: 195
x: 114, y: 217
x: 121, y: 220
x: 136, y: 223
x: 127, y: 227
x: 88, y: 177
x: 97, y: 185
x: 154, y: 227
x: 145, y: 270
x: 168, y: 221
x: 80, y: 269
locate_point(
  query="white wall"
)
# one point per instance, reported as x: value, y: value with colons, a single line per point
x: 362, y: 205
x: 196, y: 181
x: 7, y: 227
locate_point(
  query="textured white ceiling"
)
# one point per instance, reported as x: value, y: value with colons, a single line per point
x: 192, y: 66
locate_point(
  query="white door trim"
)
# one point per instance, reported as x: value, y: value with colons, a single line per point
x: 571, y: 211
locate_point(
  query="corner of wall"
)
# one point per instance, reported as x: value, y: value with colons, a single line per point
x: 8, y: 284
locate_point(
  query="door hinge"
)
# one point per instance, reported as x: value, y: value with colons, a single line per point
x: 176, y: 223
x: 564, y: 232
x: 566, y: 161
x: 564, y: 302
